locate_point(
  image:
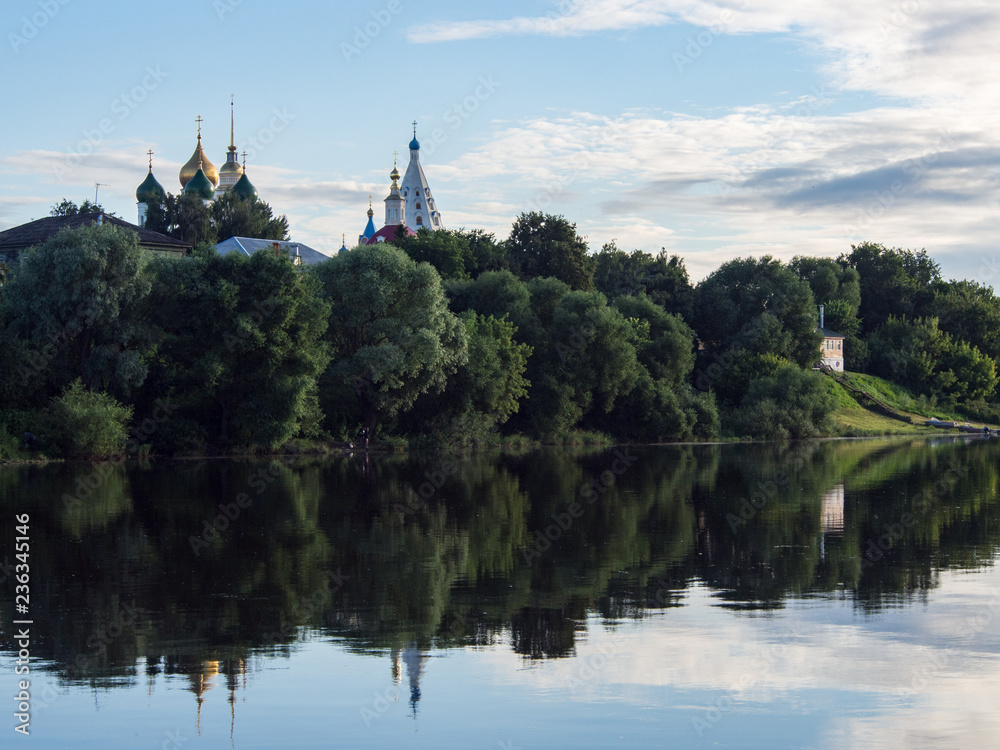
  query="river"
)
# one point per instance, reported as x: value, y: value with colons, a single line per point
x: 825, y: 594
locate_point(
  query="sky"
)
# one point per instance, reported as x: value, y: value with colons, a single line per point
x: 713, y: 129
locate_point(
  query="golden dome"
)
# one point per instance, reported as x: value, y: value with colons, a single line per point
x: 231, y: 166
x: 198, y: 159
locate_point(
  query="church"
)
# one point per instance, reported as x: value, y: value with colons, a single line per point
x: 409, y: 207
x: 199, y: 177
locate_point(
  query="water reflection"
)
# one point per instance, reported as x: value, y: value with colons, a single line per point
x: 197, y: 570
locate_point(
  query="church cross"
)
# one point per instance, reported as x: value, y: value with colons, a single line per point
x: 199, y: 120
x: 150, y: 154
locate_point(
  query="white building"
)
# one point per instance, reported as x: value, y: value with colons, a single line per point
x: 420, y: 210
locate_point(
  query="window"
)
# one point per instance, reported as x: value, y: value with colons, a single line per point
x: 420, y: 220
x: 418, y: 205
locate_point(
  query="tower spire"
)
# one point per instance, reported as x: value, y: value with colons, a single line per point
x: 232, y: 129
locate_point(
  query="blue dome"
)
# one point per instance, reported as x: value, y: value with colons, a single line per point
x: 414, y: 144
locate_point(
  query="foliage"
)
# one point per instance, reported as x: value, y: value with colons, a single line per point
x: 184, y: 217
x: 667, y: 352
x: 663, y: 278
x: 72, y: 309
x: 791, y: 403
x: 759, y: 305
x: 542, y: 245
x: 456, y: 254
x: 484, y: 392
x: 893, y: 282
x: 968, y: 311
x: 836, y: 287
x: 68, y: 208
x: 241, y: 349
x: 393, y: 334
x: 84, y: 424
x: 918, y: 355
x: 236, y: 216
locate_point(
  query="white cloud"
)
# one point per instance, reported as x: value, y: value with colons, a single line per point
x: 912, y: 49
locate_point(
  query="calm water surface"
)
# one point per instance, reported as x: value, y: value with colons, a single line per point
x: 820, y: 595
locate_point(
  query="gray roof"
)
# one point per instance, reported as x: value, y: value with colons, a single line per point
x: 37, y: 232
x: 827, y: 333
x: 248, y: 245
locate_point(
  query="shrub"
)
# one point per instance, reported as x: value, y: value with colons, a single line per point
x: 792, y: 403
x: 84, y: 424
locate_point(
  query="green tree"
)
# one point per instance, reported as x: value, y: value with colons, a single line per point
x: 241, y: 349
x: 448, y: 251
x: 543, y: 245
x: 72, y: 309
x: 236, y: 216
x: 391, y: 328
x: 919, y: 355
x: 484, y: 392
x: 588, y: 362
x: 663, y: 278
x: 835, y: 286
x: 67, y: 207
x: 893, y: 282
x: 791, y: 403
x: 759, y: 305
x: 184, y: 217
x: 970, y: 312
x: 83, y: 424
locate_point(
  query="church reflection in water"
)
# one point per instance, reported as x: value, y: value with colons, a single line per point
x: 332, y: 550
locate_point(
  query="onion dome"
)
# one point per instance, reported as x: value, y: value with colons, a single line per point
x: 231, y: 170
x: 198, y: 161
x: 200, y: 186
x: 414, y: 144
x: 244, y: 188
x: 150, y: 191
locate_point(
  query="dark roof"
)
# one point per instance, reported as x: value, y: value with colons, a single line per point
x: 37, y: 232
x: 388, y: 234
x: 827, y: 333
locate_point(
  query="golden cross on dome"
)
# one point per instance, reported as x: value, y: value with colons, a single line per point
x: 199, y: 120
x: 244, y: 161
x: 150, y: 154
x: 395, y: 155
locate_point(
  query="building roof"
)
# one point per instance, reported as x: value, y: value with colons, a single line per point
x: 244, y: 188
x: 200, y: 186
x: 388, y: 233
x: 37, y: 232
x: 150, y: 190
x: 249, y: 245
x: 827, y: 333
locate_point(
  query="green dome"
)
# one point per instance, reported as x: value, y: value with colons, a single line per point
x: 201, y: 186
x: 150, y: 191
x: 244, y: 188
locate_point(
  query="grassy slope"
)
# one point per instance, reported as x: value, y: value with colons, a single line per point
x: 853, y: 419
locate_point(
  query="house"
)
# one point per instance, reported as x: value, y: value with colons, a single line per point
x: 832, y: 348
x: 17, y: 239
x: 301, y: 254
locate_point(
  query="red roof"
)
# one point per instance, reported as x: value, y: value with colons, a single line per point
x: 388, y: 234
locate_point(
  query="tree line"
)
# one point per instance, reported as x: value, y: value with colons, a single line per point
x: 456, y: 335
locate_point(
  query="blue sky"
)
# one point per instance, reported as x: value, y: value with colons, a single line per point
x: 714, y: 129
